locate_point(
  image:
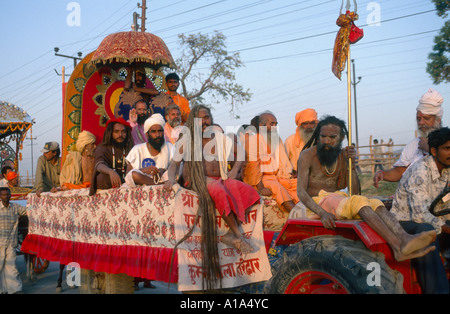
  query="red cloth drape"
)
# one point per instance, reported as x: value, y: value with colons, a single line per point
x: 137, y: 261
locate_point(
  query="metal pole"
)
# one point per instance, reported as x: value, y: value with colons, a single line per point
x: 32, y: 151
x: 143, y: 15
x: 354, y: 96
x: 349, y: 98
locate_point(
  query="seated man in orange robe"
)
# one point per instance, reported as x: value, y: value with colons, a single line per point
x: 306, y: 121
x: 77, y: 170
x: 268, y: 168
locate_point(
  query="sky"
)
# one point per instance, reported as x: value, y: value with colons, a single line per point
x: 286, y: 47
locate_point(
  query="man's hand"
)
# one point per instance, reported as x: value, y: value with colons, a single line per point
x: 115, y: 179
x: 55, y: 189
x: 133, y: 116
x: 350, y: 152
x: 328, y: 220
x: 152, y: 170
x: 379, y: 176
x: 423, y: 144
x: 169, y: 184
x: 265, y: 191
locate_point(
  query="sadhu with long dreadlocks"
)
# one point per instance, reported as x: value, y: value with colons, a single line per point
x: 216, y: 188
x: 323, y: 172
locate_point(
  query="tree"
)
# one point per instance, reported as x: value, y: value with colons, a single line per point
x: 439, y: 67
x: 207, y: 67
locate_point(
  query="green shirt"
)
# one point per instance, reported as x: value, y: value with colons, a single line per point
x: 47, y: 175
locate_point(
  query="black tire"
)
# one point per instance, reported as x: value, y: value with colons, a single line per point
x: 331, y: 264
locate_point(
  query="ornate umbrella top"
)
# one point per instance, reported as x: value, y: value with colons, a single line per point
x: 14, y: 122
x: 133, y: 47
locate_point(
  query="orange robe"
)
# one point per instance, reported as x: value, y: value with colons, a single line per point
x: 293, y: 149
x: 294, y: 143
x: 273, y: 169
x: 183, y: 103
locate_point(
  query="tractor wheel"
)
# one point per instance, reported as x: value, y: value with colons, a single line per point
x: 103, y: 283
x: 331, y: 265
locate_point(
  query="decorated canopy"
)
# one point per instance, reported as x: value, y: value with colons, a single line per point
x: 14, y: 124
x: 133, y: 47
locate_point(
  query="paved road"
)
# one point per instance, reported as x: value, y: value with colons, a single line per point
x: 45, y: 283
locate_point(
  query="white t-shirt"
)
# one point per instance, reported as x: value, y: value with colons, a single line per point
x: 139, y: 157
x: 410, y: 154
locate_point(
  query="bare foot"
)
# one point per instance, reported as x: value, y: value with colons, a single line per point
x: 417, y: 242
x: 419, y: 253
x: 238, y: 243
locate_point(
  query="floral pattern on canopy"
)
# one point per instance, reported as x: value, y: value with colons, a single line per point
x: 133, y: 47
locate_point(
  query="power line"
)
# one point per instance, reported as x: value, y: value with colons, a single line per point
x: 322, y: 34
x: 331, y: 49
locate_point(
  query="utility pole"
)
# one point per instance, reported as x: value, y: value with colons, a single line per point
x: 75, y: 59
x: 354, y: 83
x: 143, y: 15
x: 32, y: 151
x: 135, y: 26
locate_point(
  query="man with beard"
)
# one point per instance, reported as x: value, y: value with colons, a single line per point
x: 78, y: 167
x: 173, y: 82
x: 110, y: 165
x: 147, y: 162
x: 134, y: 91
x: 138, y: 116
x: 323, y: 172
x: 48, y: 169
x: 429, y: 118
x: 173, y: 118
x: 306, y: 121
x: 268, y: 168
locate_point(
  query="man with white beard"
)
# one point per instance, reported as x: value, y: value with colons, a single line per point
x: 268, y: 167
x: 138, y: 115
x: 429, y: 118
x: 306, y: 121
x: 173, y: 119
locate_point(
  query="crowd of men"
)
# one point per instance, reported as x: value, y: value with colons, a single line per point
x: 308, y: 176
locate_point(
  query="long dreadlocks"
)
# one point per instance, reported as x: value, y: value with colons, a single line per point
x: 197, y: 182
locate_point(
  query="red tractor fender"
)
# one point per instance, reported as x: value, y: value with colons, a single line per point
x: 296, y: 230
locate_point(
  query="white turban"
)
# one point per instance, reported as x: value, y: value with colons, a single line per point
x: 431, y: 103
x: 84, y: 138
x: 156, y: 118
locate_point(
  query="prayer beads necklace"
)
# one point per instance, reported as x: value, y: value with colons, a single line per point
x: 119, y: 161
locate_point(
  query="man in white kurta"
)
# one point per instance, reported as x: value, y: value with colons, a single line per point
x: 149, y: 161
x: 428, y: 116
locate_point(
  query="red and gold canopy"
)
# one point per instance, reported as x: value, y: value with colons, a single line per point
x: 133, y: 47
